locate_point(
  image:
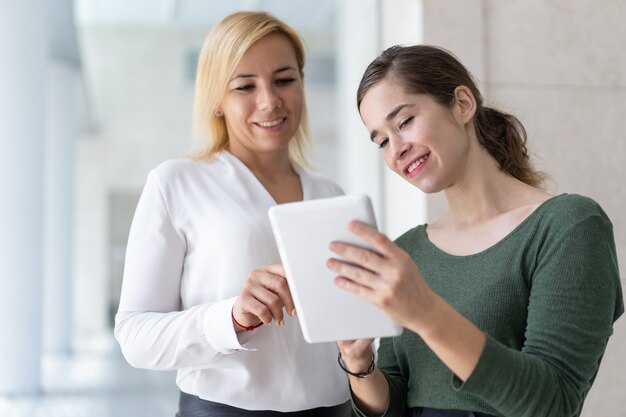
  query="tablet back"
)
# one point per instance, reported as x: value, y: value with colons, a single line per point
x: 303, y: 232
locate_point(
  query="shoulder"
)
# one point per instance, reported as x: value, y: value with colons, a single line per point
x: 569, y: 220
x: 177, y: 179
x: 173, y: 169
x: 183, y: 172
x: 574, y: 204
x: 572, y: 209
x: 412, y: 238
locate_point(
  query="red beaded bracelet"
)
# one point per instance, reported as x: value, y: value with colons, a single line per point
x: 246, y: 328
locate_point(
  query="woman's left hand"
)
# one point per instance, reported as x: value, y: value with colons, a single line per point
x: 385, y: 276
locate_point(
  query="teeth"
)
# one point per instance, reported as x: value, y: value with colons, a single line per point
x: 415, y: 164
x: 270, y: 124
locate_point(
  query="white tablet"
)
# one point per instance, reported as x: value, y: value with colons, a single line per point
x: 303, y: 232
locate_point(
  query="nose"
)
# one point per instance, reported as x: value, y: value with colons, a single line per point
x: 398, y: 147
x: 268, y: 99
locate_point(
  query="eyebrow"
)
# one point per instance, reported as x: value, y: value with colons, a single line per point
x: 279, y: 70
x: 393, y: 113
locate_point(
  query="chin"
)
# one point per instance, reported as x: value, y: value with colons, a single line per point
x: 427, y: 188
x: 428, y: 191
x: 275, y: 142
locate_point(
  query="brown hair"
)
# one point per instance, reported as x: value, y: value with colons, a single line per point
x: 423, y: 69
x: 222, y: 51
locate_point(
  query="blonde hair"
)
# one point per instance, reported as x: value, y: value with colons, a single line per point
x: 222, y: 51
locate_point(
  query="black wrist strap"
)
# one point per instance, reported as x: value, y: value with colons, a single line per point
x: 365, y: 374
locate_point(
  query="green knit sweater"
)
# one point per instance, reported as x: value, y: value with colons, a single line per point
x: 546, y: 296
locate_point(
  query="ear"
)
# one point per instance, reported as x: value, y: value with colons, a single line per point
x: 218, y: 113
x: 464, y: 104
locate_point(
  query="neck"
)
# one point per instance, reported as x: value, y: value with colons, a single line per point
x: 268, y: 165
x: 482, y: 198
x: 485, y: 191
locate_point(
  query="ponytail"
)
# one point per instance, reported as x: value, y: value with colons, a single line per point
x: 504, y: 137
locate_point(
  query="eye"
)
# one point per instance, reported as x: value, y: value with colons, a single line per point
x: 383, y: 143
x: 406, y: 122
x: 246, y: 87
x: 285, y: 81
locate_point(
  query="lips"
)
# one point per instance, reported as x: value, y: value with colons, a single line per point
x: 413, y: 166
x: 271, y: 123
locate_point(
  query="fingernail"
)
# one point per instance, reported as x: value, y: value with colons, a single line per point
x: 281, y: 322
x: 293, y: 312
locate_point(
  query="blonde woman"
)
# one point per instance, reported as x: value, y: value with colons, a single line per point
x: 202, y: 292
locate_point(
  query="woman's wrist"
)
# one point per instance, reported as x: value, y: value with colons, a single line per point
x: 242, y: 327
x: 427, y: 319
x: 355, y: 372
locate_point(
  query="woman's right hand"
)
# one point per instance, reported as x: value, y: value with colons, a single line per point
x: 263, y: 297
x: 356, y: 354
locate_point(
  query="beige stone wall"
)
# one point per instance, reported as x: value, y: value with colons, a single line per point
x: 560, y: 66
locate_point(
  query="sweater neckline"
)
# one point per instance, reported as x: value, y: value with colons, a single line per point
x: 536, y: 213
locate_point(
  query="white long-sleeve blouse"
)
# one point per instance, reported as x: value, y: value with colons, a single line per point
x: 199, y: 229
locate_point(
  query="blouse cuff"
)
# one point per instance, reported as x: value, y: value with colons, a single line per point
x: 219, y: 330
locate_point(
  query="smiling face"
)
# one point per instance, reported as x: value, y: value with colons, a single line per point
x: 264, y: 98
x: 423, y: 141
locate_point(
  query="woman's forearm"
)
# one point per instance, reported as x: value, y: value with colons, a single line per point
x: 371, y: 394
x: 453, y: 338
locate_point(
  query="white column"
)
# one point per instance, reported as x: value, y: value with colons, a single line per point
x: 61, y: 123
x: 405, y: 204
x: 22, y: 118
x: 358, y: 43
x: 365, y: 28
x: 92, y: 281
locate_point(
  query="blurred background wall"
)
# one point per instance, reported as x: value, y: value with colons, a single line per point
x: 95, y: 93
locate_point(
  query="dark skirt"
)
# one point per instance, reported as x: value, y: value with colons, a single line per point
x: 193, y: 406
x: 432, y: 412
